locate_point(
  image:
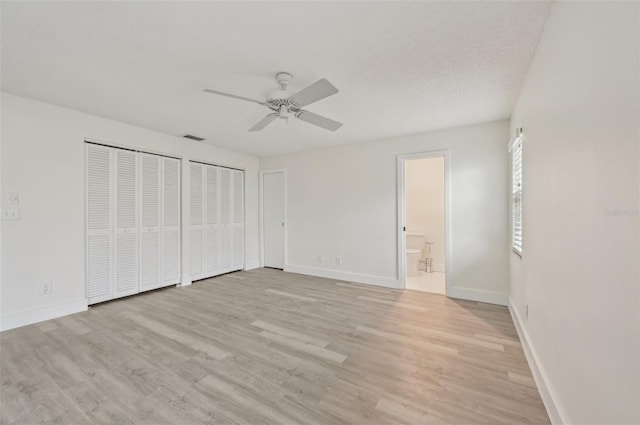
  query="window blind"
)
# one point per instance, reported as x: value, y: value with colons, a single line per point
x: 516, y: 193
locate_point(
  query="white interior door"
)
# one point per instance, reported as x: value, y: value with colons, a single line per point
x: 126, y: 223
x: 237, y: 222
x: 231, y: 219
x: 170, y: 221
x: 160, y: 225
x: 225, y: 220
x: 150, y: 240
x: 273, y: 219
x: 211, y: 220
x: 99, y: 223
x: 217, y: 220
x: 197, y: 227
x: 133, y: 222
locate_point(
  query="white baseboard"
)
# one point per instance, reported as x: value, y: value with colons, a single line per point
x: 386, y: 282
x: 186, y: 281
x: 252, y: 265
x: 23, y: 318
x: 547, y: 393
x: 477, y: 295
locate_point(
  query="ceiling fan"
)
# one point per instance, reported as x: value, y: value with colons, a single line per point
x: 284, y: 104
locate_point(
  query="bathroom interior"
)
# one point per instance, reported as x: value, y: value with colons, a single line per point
x: 425, y: 224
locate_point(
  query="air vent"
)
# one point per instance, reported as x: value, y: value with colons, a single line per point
x: 192, y: 137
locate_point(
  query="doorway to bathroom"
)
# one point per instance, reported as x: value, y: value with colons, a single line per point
x: 423, y: 240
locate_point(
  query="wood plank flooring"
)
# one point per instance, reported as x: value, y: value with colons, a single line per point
x: 269, y: 347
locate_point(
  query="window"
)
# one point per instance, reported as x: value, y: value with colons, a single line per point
x: 516, y: 192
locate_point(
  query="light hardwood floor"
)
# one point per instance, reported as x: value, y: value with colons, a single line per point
x: 269, y: 347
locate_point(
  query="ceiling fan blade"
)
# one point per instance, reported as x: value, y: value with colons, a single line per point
x: 316, y: 91
x: 264, y: 122
x: 318, y: 120
x: 234, y: 96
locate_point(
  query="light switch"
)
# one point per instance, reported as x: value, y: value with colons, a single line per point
x: 13, y: 198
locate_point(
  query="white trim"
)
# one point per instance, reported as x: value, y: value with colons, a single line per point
x: 27, y: 317
x: 130, y: 148
x: 550, y: 398
x: 252, y: 265
x: 216, y: 164
x: 261, y: 212
x: 477, y: 295
x: 387, y: 282
x: 448, y: 230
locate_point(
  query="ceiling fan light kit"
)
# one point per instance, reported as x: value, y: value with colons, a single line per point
x: 284, y: 104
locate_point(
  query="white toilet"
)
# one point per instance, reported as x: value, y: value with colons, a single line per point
x: 414, y: 241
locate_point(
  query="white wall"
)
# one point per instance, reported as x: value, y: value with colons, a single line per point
x: 342, y: 201
x: 424, y: 199
x: 43, y: 159
x: 579, y: 272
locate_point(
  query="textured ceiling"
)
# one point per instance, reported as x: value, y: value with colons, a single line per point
x: 401, y: 67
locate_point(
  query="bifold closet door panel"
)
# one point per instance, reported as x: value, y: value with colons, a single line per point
x: 197, y: 229
x: 212, y: 219
x: 150, y: 249
x: 226, y: 248
x: 160, y: 224
x: 99, y: 231
x: 205, y: 220
x: 126, y: 223
x: 170, y: 221
x: 237, y: 226
x: 133, y: 222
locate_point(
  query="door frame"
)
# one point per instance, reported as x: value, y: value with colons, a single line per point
x: 402, y: 266
x: 284, y: 208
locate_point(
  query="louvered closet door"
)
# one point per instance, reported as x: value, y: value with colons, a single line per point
x: 212, y: 220
x: 237, y: 225
x: 170, y: 221
x: 205, y: 221
x: 225, y: 220
x: 99, y: 222
x: 197, y: 229
x: 126, y: 223
x: 150, y: 242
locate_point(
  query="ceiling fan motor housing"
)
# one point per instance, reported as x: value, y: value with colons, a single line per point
x: 280, y: 100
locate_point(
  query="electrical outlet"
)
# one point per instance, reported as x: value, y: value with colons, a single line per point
x: 11, y: 213
x: 45, y: 288
x: 338, y: 259
x: 320, y: 258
